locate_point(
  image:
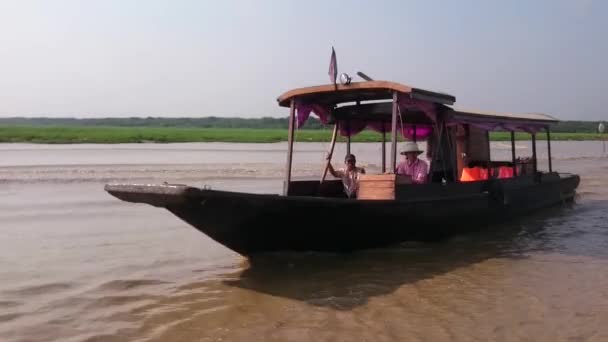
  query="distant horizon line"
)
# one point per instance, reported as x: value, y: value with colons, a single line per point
x: 3, y: 118
x: 142, y: 117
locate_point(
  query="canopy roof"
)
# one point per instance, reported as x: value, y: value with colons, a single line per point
x: 540, y: 118
x: 382, y: 112
x: 363, y: 104
x: 331, y: 94
x: 528, y: 122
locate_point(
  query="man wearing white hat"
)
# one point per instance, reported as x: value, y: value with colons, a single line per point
x: 411, y: 166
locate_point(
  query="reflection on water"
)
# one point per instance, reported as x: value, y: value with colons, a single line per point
x: 345, y: 282
x: 79, y: 265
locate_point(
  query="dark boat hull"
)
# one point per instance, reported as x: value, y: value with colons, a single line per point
x: 253, y: 223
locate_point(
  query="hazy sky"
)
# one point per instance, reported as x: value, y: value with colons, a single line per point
x: 234, y: 58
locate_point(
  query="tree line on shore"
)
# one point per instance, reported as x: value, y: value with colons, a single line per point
x: 223, y: 122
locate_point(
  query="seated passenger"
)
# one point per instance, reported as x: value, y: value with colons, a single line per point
x: 411, y: 166
x: 349, y: 175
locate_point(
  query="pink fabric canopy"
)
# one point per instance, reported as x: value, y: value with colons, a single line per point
x: 354, y: 127
x: 303, y: 111
x: 405, y: 103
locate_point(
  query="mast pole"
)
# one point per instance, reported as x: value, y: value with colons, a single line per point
x: 513, y: 153
x: 549, y: 148
x: 292, y: 112
x: 394, y: 134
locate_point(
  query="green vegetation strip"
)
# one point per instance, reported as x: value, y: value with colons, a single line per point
x: 115, y: 135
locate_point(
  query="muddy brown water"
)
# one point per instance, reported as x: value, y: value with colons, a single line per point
x: 80, y: 265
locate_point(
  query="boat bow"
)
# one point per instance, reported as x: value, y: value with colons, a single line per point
x: 158, y: 195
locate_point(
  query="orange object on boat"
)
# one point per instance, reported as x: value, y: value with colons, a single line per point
x: 505, y: 172
x: 483, y: 174
x: 473, y: 174
x: 470, y: 174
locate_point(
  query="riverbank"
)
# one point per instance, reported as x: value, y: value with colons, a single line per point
x: 117, y: 135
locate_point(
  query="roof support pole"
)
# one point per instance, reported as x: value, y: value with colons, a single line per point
x: 292, y: 114
x: 414, y: 138
x: 489, y: 161
x: 383, y: 148
x: 534, y: 153
x: 452, y: 150
x: 348, y: 127
x: 348, y: 138
x: 549, y: 149
x: 394, y: 134
x: 513, y: 153
x: 438, y: 153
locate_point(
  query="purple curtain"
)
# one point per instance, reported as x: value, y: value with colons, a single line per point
x: 378, y: 126
x: 406, y: 103
x: 422, y: 131
x: 303, y: 111
x: 352, y: 127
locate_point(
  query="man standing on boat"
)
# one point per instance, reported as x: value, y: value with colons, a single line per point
x: 411, y: 166
x: 349, y: 175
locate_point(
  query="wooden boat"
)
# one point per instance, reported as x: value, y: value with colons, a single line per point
x: 315, y: 215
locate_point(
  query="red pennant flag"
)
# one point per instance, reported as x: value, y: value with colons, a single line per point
x: 333, y: 67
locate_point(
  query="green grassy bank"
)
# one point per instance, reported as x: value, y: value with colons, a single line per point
x: 115, y: 135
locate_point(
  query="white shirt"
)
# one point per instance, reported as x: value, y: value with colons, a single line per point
x: 350, y: 179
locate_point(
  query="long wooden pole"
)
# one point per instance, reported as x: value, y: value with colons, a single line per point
x: 394, y: 134
x: 331, y: 151
x: 549, y: 149
x: 292, y: 114
x: 513, y: 153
